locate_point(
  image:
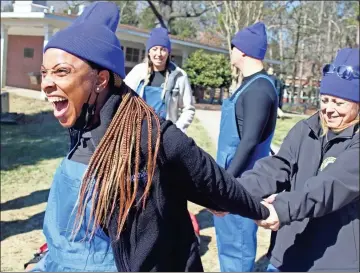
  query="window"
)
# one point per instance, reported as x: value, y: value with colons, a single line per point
x: 28, y: 52
x: 132, y: 54
x: 128, y: 69
x: 143, y: 54
x: 176, y: 59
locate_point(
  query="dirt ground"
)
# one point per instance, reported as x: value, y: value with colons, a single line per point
x: 29, y: 155
x: 208, y: 246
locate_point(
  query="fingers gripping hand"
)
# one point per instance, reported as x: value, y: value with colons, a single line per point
x: 272, y: 222
x: 218, y: 213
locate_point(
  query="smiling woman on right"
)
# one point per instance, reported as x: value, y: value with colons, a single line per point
x: 312, y: 185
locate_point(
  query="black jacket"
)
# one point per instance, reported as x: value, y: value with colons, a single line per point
x: 319, y: 210
x: 161, y: 237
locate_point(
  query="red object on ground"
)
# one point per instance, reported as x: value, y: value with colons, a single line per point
x: 195, y: 224
x: 43, y: 248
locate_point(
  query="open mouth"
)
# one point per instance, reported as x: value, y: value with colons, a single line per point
x: 60, y: 106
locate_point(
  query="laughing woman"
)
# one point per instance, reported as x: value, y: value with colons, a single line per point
x: 161, y: 83
x: 119, y: 199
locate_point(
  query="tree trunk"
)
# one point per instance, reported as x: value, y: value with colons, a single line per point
x: 157, y: 14
x: 281, y: 41
x: 270, y: 52
x: 249, y: 6
x: 334, y: 37
x: 318, y: 47
x: 302, y: 52
x: 296, y: 50
x: 328, y: 39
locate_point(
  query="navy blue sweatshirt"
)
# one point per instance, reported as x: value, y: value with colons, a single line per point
x: 317, y: 179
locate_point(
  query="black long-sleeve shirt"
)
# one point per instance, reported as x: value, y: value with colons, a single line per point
x: 256, y: 113
x: 161, y: 237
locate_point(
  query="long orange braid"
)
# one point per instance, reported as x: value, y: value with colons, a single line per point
x: 108, y: 179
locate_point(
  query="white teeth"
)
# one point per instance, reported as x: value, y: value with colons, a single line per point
x: 56, y: 99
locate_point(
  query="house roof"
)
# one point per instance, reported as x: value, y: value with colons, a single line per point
x: 173, y: 37
x: 126, y: 28
x: 136, y: 31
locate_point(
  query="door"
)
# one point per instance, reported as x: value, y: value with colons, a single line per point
x: 24, y: 56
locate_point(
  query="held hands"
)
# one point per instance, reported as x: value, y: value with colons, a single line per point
x: 218, y: 213
x: 272, y: 222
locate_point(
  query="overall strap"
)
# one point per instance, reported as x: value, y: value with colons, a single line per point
x: 140, y: 88
x: 173, y: 76
x: 237, y: 94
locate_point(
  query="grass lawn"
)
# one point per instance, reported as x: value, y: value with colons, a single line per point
x: 200, y: 135
x: 283, y: 126
x: 30, y: 153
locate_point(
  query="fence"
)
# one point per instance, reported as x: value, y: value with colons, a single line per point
x: 210, y: 95
x: 305, y: 101
x: 297, y: 101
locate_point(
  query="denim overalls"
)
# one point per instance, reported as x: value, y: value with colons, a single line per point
x: 153, y: 97
x: 65, y: 254
x: 236, y: 235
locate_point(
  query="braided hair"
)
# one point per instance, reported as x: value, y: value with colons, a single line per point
x: 108, y: 179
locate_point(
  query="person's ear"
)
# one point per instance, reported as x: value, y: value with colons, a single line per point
x: 103, y: 79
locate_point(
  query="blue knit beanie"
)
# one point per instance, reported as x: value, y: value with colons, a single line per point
x: 252, y: 41
x: 92, y: 37
x: 158, y: 37
x: 333, y: 85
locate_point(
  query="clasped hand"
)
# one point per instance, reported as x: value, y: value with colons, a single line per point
x: 272, y: 222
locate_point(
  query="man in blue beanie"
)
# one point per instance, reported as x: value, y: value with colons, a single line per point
x: 247, y: 126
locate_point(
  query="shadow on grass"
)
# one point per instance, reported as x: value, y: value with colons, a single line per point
x: 11, y: 228
x: 205, y: 219
x: 285, y: 117
x: 32, y: 199
x: 37, y: 137
x: 204, y: 244
x: 261, y: 264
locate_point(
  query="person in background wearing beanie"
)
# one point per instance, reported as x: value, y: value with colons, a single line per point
x: 164, y: 85
x: 118, y: 201
x: 313, y: 181
x: 247, y: 126
x: 161, y: 83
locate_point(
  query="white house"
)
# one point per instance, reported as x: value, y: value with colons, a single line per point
x: 27, y: 29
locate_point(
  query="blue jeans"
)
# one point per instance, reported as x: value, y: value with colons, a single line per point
x: 272, y: 268
x: 236, y: 241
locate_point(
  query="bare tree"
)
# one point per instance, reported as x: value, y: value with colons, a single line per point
x: 166, y: 11
x: 319, y: 47
x: 303, y: 35
x: 233, y: 16
x: 302, y: 53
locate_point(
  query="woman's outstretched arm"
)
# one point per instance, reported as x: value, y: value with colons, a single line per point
x: 204, y: 182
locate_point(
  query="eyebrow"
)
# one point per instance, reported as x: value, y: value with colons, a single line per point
x: 58, y: 65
